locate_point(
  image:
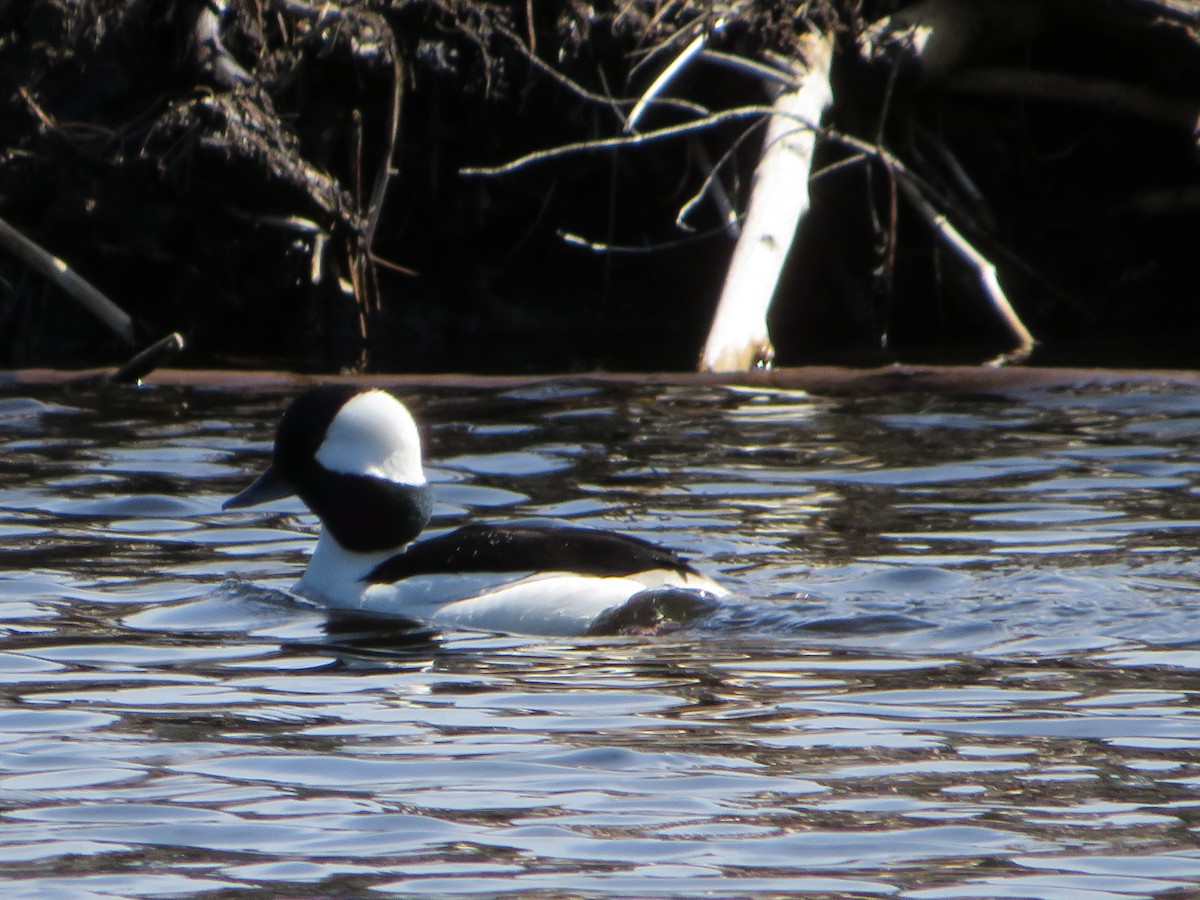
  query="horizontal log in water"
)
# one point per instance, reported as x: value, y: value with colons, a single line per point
x: 834, y: 380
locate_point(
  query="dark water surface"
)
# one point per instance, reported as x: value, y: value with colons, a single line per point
x: 964, y: 662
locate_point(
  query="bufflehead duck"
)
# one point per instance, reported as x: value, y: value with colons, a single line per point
x: 354, y: 458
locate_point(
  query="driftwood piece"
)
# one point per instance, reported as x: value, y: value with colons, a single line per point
x: 739, y: 338
x: 77, y: 288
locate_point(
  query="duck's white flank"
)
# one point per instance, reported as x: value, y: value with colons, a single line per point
x: 549, y: 603
x: 373, y: 434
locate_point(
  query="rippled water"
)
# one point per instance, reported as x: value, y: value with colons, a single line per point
x: 964, y: 661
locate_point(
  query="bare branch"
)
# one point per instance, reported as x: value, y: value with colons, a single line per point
x: 80, y: 290
x: 917, y: 192
x: 578, y: 240
x: 984, y: 269
x: 732, y: 227
x: 614, y: 103
x: 677, y: 65
x: 386, y: 170
x: 634, y: 140
x: 750, y: 67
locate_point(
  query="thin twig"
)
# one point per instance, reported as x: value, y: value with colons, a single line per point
x: 616, y: 104
x: 529, y: 26
x: 711, y: 180
x: 35, y: 108
x: 980, y: 216
x: 356, y: 145
x: 988, y: 277
x: 356, y: 273
x: 393, y: 266
x: 889, y: 236
x: 712, y: 185
x: 835, y: 167
x: 578, y: 240
x: 729, y: 115
x: 546, y: 69
x: 750, y: 67
x: 886, y: 107
x: 386, y: 170
x: 298, y: 224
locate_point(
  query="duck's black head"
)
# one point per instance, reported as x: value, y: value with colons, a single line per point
x: 354, y: 458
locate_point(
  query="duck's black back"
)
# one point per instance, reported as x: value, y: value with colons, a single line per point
x: 527, y: 548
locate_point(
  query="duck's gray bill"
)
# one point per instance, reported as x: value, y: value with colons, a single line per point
x: 270, y: 485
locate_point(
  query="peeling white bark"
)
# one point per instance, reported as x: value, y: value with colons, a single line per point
x: 738, y: 339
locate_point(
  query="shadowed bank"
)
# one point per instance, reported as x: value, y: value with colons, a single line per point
x: 432, y: 186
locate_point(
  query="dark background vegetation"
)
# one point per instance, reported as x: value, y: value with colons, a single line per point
x: 195, y: 184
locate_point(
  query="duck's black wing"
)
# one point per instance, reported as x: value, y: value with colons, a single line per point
x: 527, y: 548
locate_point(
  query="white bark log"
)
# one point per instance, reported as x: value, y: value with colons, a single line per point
x: 738, y: 339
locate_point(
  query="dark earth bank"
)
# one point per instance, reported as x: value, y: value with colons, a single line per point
x: 283, y: 183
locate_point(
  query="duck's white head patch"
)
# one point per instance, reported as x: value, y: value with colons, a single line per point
x: 373, y: 434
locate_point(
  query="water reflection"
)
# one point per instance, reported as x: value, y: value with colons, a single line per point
x: 962, y: 661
